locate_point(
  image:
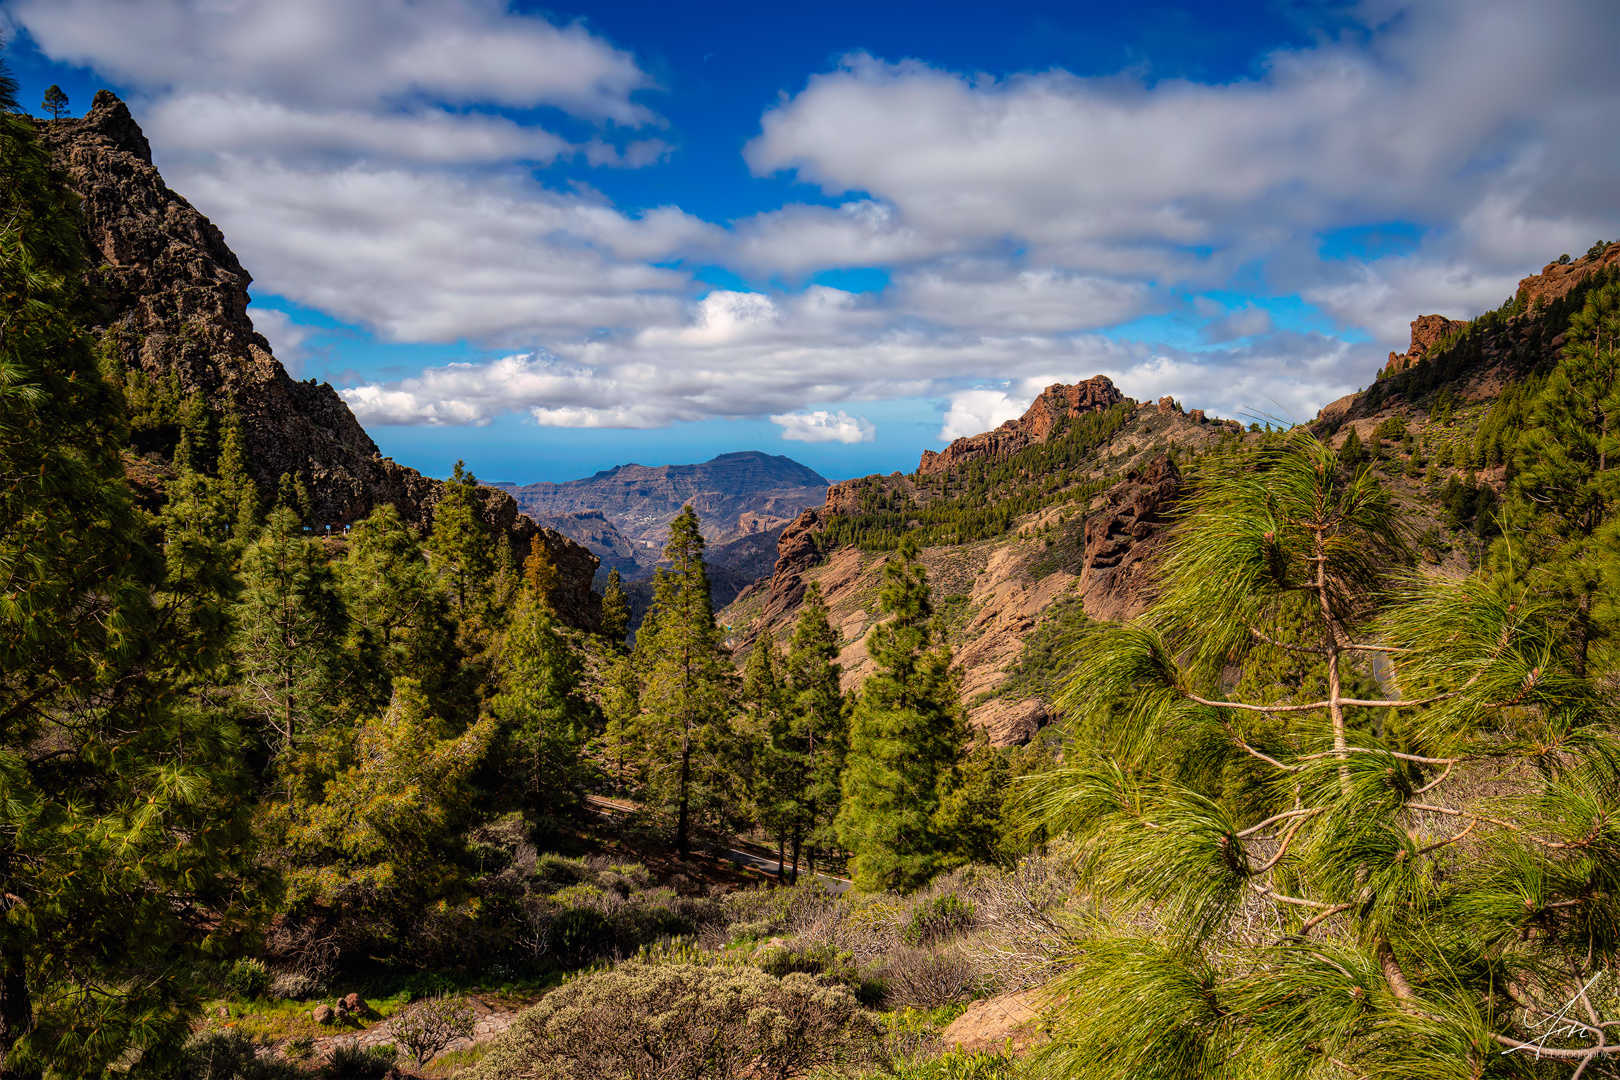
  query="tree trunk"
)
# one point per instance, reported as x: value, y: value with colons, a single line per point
x: 16, y: 1008
x: 1341, y: 745
x: 682, y: 846
x: 797, y: 835
x: 781, y: 865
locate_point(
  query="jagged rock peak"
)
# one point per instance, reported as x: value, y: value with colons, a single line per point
x: 1045, y: 414
x: 1427, y: 331
x: 176, y: 301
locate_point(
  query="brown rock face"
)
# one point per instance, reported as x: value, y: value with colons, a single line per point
x: 177, y: 298
x: 1427, y: 331
x: 1056, y: 404
x: 796, y: 552
x: 1119, y: 544
x: 1011, y: 723
x: 1555, y: 280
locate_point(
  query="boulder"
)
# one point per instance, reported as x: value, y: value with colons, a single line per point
x: 356, y: 1004
x: 323, y: 1014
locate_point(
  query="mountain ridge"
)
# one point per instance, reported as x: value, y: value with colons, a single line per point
x: 735, y: 495
x: 176, y: 298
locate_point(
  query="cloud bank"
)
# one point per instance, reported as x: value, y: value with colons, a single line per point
x: 373, y: 160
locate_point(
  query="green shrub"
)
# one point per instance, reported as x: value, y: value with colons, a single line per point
x: 945, y: 916
x: 247, y: 979
x: 231, y: 1055
x: 959, y: 1065
x: 349, y: 1061
x: 552, y: 873
x: 580, y: 934
x: 683, y: 1020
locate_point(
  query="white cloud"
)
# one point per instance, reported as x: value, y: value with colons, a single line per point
x: 286, y: 337
x: 973, y: 411
x: 429, y: 256
x: 224, y: 123
x: 995, y: 295
x: 824, y: 426
x: 349, y: 153
x: 356, y: 53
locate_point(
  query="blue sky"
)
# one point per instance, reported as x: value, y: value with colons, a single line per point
x: 553, y: 239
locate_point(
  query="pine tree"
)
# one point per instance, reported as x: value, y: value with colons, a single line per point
x: 236, y: 484
x: 1306, y: 879
x: 398, y: 610
x: 125, y: 858
x: 686, y: 689
x: 615, y: 609
x: 619, y: 697
x: 291, y: 627
x: 1569, y: 469
x: 544, y: 719
x: 819, y: 734
x: 775, y: 771
x: 460, y: 543
x: 1351, y: 452
x: 55, y: 102
x: 381, y: 835
x: 905, y: 735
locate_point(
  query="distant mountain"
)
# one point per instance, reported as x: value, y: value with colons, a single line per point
x: 735, y: 495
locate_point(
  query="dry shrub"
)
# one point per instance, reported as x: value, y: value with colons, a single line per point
x: 429, y: 1026
x: 640, y: 1022
x: 919, y: 979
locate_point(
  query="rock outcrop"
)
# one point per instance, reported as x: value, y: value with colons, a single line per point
x: 1056, y: 404
x: 1558, y: 279
x: 1123, y: 532
x: 1427, y: 331
x: 177, y: 301
x: 796, y: 552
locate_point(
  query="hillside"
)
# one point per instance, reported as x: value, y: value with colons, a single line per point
x: 1050, y: 520
x: 1052, y: 513
x: 176, y: 322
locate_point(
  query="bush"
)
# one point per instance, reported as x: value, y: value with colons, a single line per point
x: 231, y: 1055
x: 925, y: 980
x: 429, y: 1026
x: 639, y: 1022
x: 945, y: 916
x: 349, y: 1061
x: 295, y: 985
x: 247, y: 979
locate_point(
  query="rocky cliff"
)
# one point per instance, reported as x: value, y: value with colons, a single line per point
x: 1093, y: 548
x: 176, y: 297
x: 1056, y: 404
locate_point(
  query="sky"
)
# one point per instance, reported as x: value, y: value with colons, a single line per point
x: 552, y: 239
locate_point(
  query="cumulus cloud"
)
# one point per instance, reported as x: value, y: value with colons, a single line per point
x: 429, y: 256
x: 356, y: 53
x: 823, y: 426
x: 1474, y: 118
x: 356, y: 157
x: 973, y: 411
x: 286, y: 337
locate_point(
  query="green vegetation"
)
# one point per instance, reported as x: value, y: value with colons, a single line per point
x: 982, y: 499
x: 1307, y: 877
x: 1324, y: 810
